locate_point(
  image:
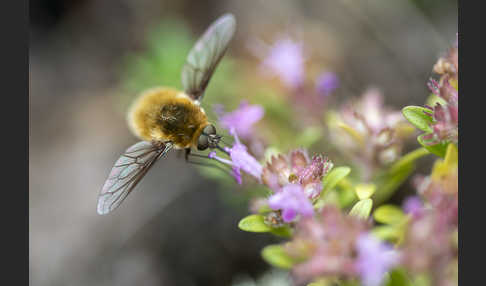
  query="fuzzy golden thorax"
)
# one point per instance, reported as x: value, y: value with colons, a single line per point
x: 165, y: 114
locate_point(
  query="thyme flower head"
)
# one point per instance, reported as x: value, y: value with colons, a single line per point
x: 295, y: 181
x: 413, y: 205
x: 430, y: 242
x: 285, y: 59
x: 240, y: 160
x: 296, y: 168
x: 369, y: 133
x: 445, y: 113
x: 429, y: 246
x: 326, y: 83
x: 326, y: 244
x: 292, y: 201
x: 241, y: 119
x: 375, y: 258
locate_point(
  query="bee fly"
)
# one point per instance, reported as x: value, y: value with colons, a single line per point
x: 165, y: 118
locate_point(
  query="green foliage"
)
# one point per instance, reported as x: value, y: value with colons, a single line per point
x: 438, y: 149
x: 387, y: 232
x: 166, y: 48
x: 419, y: 116
x: 333, y: 178
x: 398, y: 277
x: 433, y: 99
x: 388, y: 181
x: 283, y: 231
x: 318, y: 283
x: 408, y: 159
x: 362, y: 208
x: 275, y: 255
x: 254, y: 223
x: 394, y: 220
x: 388, y: 214
x: 364, y: 191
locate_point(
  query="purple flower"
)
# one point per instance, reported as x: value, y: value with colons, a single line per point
x: 374, y: 259
x: 446, y: 117
x: 292, y: 201
x: 326, y: 83
x: 241, y: 119
x: 243, y: 160
x: 240, y: 160
x: 325, y: 244
x: 285, y: 59
x: 296, y: 168
x: 413, y: 205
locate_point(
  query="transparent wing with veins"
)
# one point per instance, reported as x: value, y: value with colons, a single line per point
x: 128, y: 170
x: 205, y: 56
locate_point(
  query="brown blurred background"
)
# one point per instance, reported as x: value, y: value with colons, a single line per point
x: 178, y: 227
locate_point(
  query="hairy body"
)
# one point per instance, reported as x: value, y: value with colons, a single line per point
x: 165, y: 114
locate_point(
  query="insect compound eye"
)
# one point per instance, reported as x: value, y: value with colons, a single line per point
x: 209, y: 130
x: 202, y: 142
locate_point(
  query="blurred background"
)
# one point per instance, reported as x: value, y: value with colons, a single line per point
x: 88, y: 59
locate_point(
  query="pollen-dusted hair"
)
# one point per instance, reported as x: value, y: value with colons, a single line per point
x: 165, y: 114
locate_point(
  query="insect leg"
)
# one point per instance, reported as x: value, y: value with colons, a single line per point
x: 206, y: 164
x: 188, y: 152
x: 223, y: 166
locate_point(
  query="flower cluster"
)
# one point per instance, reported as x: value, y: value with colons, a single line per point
x: 445, y: 114
x: 335, y: 244
x: 330, y: 240
x: 326, y: 83
x: 242, y: 119
x: 285, y: 59
x: 295, y: 181
x: 368, y: 133
x: 430, y: 243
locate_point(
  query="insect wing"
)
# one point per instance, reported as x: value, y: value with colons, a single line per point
x: 128, y: 170
x: 205, y: 56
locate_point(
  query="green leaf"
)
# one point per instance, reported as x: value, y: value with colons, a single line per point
x: 333, y: 178
x: 254, y: 223
x: 433, y: 99
x: 452, y: 155
x: 275, y: 255
x: 318, y: 283
x: 398, y: 277
x: 362, y: 208
x: 438, y: 149
x: 388, y: 182
x: 365, y: 191
x: 422, y: 279
x: 407, y: 159
x: 389, y: 214
x: 284, y: 231
x: 419, y: 116
x: 387, y: 232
